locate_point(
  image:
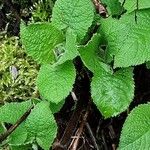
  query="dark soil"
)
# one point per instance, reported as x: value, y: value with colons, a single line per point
x: 84, y: 119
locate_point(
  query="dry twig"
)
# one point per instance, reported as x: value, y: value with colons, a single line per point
x: 100, y: 8
x: 4, y: 135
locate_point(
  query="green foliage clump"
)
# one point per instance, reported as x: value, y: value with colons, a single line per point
x: 55, y: 45
x: 12, y: 55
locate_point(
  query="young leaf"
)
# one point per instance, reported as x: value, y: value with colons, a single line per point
x: 136, y: 129
x: 11, y: 112
x: 39, y: 40
x: 127, y: 40
x: 41, y: 125
x: 90, y: 54
x: 131, y: 5
x: 111, y: 92
x: 70, y: 47
x: 55, y: 83
x: 76, y: 14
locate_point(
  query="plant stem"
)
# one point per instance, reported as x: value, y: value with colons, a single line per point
x: 4, y: 135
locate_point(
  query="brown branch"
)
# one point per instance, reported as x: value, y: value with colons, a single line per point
x: 80, y: 130
x: 104, y: 141
x: 4, y: 135
x: 100, y: 8
x: 75, y: 142
x: 92, y: 136
x: 70, y: 129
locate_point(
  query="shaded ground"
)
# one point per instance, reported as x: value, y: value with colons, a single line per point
x: 84, y: 120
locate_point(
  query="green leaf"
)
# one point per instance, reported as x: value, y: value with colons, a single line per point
x: 127, y: 40
x: 131, y: 5
x: 55, y: 82
x: 113, y: 6
x: 11, y: 112
x: 90, y: 54
x: 39, y: 40
x: 76, y: 14
x: 41, y: 125
x: 19, y: 136
x: 148, y: 65
x: 2, y: 128
x: 70, y: 47
x: 136, y: 129
x: 56, y: 107
x: 21, y: 147
x: 111, y: 92
x: 53, y: 106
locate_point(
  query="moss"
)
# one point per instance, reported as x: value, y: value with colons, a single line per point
x: 20, y: 86
x: 42, y: 10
